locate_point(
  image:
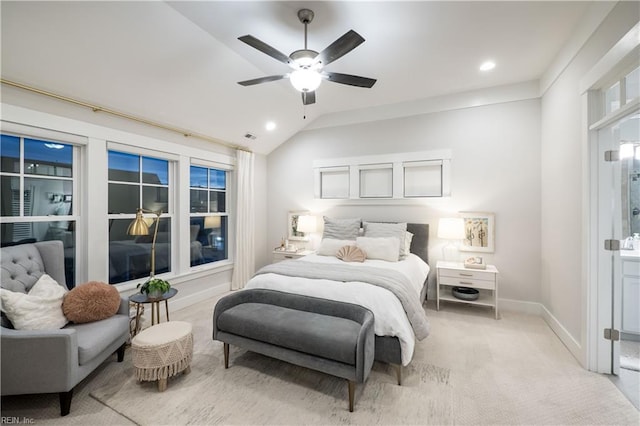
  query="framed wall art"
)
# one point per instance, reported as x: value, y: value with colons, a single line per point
x: 479, y: 231
x: 293, y: 234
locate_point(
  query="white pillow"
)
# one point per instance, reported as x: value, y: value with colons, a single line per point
x: 408, y: 236
x: 385, y: 230
x: 380, y: 248
x: 330, y: 246
x: 40, y: 309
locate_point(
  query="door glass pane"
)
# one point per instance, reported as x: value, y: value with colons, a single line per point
x: 217, y: 202
x: 124, y: 167
x: 155, y: 198
x: 10, y: 189
x: 47, y: 158
x: 155, y: 171
x: 123, y: 198
x: 612, y: 98
x: 198, y: 177
x: 10, y: 154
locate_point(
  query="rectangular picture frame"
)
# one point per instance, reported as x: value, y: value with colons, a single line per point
x: 292, y: 223
x: 479, y: 230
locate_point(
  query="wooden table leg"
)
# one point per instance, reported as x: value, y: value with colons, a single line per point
x: 166, y: 307
x: 135, y: 331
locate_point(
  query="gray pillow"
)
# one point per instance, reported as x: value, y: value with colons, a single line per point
x: 341, y: 229
x: 385, y: 230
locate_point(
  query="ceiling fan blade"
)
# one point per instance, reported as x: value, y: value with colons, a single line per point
x: 351, y: 80
x: 262, y: 80
x: 265, y: 48
x: 308, y: 98
x: 339, y: 48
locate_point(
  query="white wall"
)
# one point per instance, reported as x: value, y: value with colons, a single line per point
x: 495, y: 168
x: 563, y: 171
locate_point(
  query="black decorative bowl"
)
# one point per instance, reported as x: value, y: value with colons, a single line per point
x: 465, y: 293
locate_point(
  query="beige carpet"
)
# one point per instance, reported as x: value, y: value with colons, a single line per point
x: 471, y: 370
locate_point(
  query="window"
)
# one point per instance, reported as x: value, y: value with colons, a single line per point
x: 376, y: 181
x: 334, y: 182
x: 423, y: 179
x: 209, y: 216
x: 137, y: 181
x: 37, y: 181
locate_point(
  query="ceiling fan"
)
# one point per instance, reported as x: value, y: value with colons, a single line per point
x: 308, y: 65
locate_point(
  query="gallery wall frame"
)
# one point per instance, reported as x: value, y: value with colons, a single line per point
x: 292, y: 223
x: 479, y: 230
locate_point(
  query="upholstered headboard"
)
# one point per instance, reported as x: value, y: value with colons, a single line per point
x: 420, y: 241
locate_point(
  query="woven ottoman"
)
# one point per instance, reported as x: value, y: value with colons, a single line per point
x: 162, y: 351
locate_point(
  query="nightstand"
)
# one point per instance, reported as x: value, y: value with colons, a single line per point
x: 454, y: 274
x: 280, y: 255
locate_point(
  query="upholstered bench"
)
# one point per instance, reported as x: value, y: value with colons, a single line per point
x: 162, y: 351
x: 332, y: 337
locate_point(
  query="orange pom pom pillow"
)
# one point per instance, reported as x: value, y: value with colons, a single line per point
x: 93, y: 301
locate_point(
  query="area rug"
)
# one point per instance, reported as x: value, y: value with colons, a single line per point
x: 261, y: 390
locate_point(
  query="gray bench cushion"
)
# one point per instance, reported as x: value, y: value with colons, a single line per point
x: 292, y: 329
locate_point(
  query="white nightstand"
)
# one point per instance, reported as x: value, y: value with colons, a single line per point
x: 454, y: 274
x: 280, y: 255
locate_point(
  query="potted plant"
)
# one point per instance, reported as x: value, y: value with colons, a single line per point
x: 154, y: 288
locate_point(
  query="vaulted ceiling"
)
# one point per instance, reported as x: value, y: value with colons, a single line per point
x: 179, y: 62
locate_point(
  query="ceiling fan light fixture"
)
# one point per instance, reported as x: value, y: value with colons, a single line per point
x: 305, y: 80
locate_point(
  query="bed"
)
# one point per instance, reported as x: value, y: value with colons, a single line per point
x: 395, y: 326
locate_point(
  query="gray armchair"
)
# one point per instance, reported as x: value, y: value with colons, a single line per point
x: 52, y: 360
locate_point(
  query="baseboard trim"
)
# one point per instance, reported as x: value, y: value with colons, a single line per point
x: 192, y: 299
x: 565, y: 337
x: 520, y: 306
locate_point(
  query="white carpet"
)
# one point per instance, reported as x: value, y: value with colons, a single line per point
x: 471, y: 370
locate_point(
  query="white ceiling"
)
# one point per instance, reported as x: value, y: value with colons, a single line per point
x: 178, y: 62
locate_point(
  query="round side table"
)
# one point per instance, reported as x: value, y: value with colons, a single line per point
x: 140, y: 298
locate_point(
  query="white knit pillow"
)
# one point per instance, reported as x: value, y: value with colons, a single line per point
x: 330, y: 246
x: 380, y: 248
x: 40, y: 309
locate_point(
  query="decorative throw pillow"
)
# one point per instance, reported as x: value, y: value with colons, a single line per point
x: 40, y: 309
x: 385, y: 230
x: 341, y: 229
x: 408, y: 237
x: 351, y: 254
x: 93, y: 301
x: 330, y: 246
x: 380, y: 248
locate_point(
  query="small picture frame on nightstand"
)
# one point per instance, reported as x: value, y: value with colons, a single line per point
x: 475, y: 262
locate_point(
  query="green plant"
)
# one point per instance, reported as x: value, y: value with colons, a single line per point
x: 154, y: 285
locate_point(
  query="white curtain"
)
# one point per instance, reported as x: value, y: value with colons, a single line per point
x: 244, y: 258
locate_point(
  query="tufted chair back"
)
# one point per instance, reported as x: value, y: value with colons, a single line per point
x: 21, y: 266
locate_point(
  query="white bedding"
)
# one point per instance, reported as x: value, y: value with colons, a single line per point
x: 390, y: 317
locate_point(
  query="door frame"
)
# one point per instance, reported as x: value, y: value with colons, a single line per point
x: 597, y: 296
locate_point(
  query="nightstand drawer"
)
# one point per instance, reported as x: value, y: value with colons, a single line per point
x: 467, y: 282
x: 467, y: 274
x: 277, y: 257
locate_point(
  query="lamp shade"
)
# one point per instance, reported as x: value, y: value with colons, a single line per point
x: 451, y: 228
x: 211, y: 222
x: 138, y: 226
x: 305, y: 80
x: 307, y: 224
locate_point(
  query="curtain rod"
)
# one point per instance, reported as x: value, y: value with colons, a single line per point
x: 96, y: 108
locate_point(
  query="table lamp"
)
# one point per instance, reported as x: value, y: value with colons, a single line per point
x: 450, y: 229
x: 307, y: 224
x: 139, y: 227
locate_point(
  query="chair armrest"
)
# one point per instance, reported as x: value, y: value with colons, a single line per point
x: 124, y: 306
x: 38, y: 360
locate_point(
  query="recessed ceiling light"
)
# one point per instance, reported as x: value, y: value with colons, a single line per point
x: 487, y: 66
x: 270, y: 125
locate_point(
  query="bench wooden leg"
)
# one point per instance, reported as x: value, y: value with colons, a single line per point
x: 398, y: 368
x: 352, y: 390
x: 162, y: 385
x: 226, y: 355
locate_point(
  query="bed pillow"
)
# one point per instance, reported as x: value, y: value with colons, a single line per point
x: 330, y: 246
x: 408, y: 237
x: 341, y: 229
x: 351, y: 254
x: 386, y: 230
x: 93, y: 301
x: 380, y: 248
x: 40, y: 309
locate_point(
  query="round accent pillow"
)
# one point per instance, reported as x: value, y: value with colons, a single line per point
x: 92, y: 301
x: 351, y: 254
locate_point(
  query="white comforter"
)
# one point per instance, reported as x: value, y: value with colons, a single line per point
x: 390, y: 318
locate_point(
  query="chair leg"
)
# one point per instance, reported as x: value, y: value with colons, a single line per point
x: 226, y: 355
x: 352, y: 390
x: 121, y: 352
x: 65, y: 402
